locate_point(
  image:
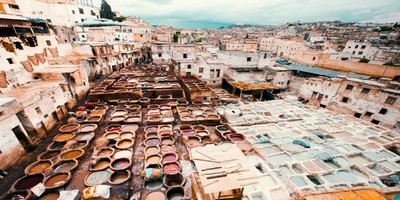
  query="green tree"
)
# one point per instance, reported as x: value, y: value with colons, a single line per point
x: 175, y: 36
x: 120, y: 19
x: 364, y: 60
x: 105, y: 10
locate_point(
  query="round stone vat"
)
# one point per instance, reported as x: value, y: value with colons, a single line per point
x: 101, y: 164
x: 120, y: 164
x: 151, y: 142
x: 65, y: 165
x: 71, y: 154
x: 50, y: 195
x: 125, y: 144
x: 171, y: 168
x: 175, y: 193
x: 47, y: 155
x: 174, y: 180
x: 169, y: 157
x: 27, y: 182
x: 151, y: 150
x: 167, y: 141
x: 119, y: 177
x: 67, y: 128
x: 19, y: 195
x: 111, y: 135
x: 63, y: 137
x: 57, y: 180
x: 38, y: 167
x: 105, y: 152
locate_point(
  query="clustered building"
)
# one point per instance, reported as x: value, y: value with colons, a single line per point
x: 301, y: 110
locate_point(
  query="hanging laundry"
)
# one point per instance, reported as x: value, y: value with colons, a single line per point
x: 27, y: 65
x: 41, y: 58
x: 34, y: 60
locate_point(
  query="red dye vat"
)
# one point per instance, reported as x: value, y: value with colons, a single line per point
x: 167, y: 149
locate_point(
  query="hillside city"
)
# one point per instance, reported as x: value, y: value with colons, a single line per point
x: 95, y: 104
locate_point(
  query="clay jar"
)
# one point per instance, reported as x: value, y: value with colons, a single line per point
x: 125, y: 144
x: 120, y: 164
x: 27, y: 182
x: 153, y: 160
x: 175, y: 193
x: 71, y: 154
x: 119, y: 177
x: 169, y: 157
x: 151, y: 150
x: 65, y: 166
x: 57, y: 180
x: 174, y: 180
x: 38, y: 167
x: 102, y: 163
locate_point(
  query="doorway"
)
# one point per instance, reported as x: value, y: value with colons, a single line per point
x: 22, y: 138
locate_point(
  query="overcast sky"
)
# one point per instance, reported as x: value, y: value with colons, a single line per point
x: 214, y: 13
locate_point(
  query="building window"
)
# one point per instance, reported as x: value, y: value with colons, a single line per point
x: 349, y: 87
x: 38, y: 111
x: 73, y: 12
x: 189, y: 66
x: 82, y: 20
x: 374, y: 121
x: 322, y: 105
x: 365, y: 90
x: 265, y: 55
x: 159, y: 47
x: 13, y: 6
x: 218, y: 73
x: 201, y: 70
x: 360, y: 53
x: 356, y: 46
x: 368, y: 114
x: 390, y: 100
x: 354, y: 52
x: 363, y: 46
x: 248, y: 59
x: 383, y: 111
x: 10, y: 60
x: 18, y: 45
x: 212, y: 73
x: 81, y: 11
x: 313, y: 58
x: 159, y: 55
x: 184, y: 55
x: 358, y: 115
x: 345, y: 99
x: 48, y: 42
x: 92, y: 13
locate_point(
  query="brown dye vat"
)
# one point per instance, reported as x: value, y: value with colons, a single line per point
x: 125, y: 144
x: 27, y: 182
x: 153, y: 106
x: 153, y: 160
x: 105, y: 152
x: 47, y: 155
x: 152, y: 142
x: 151, y: 135
x: 151, y: 150
x: 38, y: 167
x: 129, y: 128
x: 202, y: 133
x: 65, y: 166
x: 55, y: 146
x: 187, y: 118
x: 71, y: 154
x: 84, y: 136
x: 213, y: 117
x: 80, y: 144
x: 185, y: 127
x: 102, y: 108
x: 197, y: 103
x: 167, y: 141
x: 127, y: 135
x: 154, y: 118
x: 209, y: 112
x: 132, y: 119
x: 57, y: 180
x: 119, y: 177
x: 151, y: 129
x: 116, y: 119
x: 120, y: 164
x: 173, y: 103
x: 62, y: 137
x: 134, y: 107
x: 199, y: 127
x: 94, y: 119
x: 69, y: 128
x: 111, y: 135
x: 88, y: 128
x: 174, y: 180
x: 155, y: 196
x: 200, y: 117
x: 53, y: 195
x: 184, y: 112
x: 194, y: 141
x: 102, y: 164
x: 182, y: 102
x: 18, y: 195
x: 175, y: 193
x: 169, y: 157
